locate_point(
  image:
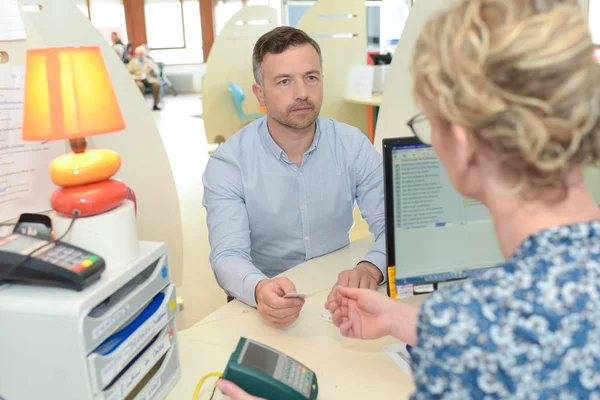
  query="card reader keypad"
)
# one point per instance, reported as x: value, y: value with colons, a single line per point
x: 297, y: 377
x: 68, y: 257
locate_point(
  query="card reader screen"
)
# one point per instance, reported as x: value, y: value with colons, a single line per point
x: 260, y: 358
x: 21, y: 243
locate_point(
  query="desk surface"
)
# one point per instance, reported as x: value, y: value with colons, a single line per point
x: 345, y: 368
x: 374, y: 100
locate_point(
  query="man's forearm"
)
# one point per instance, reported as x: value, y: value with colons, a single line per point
x: 238, y: 277
x: 377, y: 258
x: 376, y: 255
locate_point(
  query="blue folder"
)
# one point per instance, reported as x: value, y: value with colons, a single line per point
x: 113, y: 342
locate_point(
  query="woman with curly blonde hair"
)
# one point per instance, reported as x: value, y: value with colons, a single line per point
x: 510, y: 94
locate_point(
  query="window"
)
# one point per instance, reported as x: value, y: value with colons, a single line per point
x: 82, y: 5
x: 108, y: 16
x: 393, y: 16
x: 165, y: 25
x: 373, y: 26
x: 594, y: 20
x: 190, y: 29
x: 276, y: 4
x: 224, y: 10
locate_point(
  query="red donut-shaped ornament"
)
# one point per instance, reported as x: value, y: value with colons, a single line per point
x: 91, y: 199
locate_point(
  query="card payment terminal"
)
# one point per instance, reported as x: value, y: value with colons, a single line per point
x: 267, y: 373
x: 55, y: 264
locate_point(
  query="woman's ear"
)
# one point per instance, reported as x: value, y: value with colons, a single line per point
x: 464, y: 146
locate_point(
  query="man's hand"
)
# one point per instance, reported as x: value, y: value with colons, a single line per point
x: 233, y: 391
x: 364, y: 276
x: 272, y: 306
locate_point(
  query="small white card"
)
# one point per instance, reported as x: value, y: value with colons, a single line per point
x: 327, y: 316
x: 297, y: 295
x: 294, y: 296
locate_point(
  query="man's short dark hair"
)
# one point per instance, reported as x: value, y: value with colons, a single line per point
x: 277, y: 41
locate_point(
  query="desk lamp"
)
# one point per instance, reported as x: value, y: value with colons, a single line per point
x: 69, y: 96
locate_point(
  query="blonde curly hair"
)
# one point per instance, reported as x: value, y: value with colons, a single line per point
x: 520, y: 76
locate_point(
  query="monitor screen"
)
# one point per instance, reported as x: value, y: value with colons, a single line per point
x: 260, y: 358
x: 431, y: 228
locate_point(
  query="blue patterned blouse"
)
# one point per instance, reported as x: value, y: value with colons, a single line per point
x: 529, y: 329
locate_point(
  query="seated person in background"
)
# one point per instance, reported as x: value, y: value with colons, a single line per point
x: 120, y: 50
x: 283, y: 189
x: 147, y: 47
x: 117, y: 44
x: 512, y: 92
x: 128, y: 53
x: 116, y: 39
x: 144, y: 72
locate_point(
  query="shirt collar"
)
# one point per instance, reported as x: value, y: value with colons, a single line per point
x: 274, y: 147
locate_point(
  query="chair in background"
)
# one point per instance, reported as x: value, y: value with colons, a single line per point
x: 165, y: 83
x: 237, y: 95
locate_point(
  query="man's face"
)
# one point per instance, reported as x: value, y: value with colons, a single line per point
x: 140, y: 55
x: 292, y: 88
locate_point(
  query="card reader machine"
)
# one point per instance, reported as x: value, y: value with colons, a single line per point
x: 55, y: 264
x: 267, y: 373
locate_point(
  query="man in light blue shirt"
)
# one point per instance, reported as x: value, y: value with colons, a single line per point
x: 283, y: 189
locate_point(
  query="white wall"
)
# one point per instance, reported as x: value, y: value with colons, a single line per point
x: 186, y: 77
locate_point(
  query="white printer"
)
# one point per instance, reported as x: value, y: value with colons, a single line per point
x: 114, y: 340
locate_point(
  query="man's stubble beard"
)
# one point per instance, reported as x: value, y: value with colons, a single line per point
x: 299, y: 125
x: 290, y: 123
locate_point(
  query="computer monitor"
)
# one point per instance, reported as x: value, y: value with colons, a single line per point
x: 434, y: 236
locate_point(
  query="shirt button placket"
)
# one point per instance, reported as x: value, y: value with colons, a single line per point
x: 302, y: 200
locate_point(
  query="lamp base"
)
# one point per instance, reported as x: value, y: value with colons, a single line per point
x: 91, y: 199
x: 75, y: 169
x: 111, y: 235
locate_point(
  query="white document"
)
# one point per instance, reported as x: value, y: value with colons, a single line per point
x: 11, y: 24
x: 25, y: 184
x: 400, y: 355
x: 360, y: 81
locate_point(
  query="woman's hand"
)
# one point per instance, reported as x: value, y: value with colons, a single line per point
x: 361, y: 313
x: 233, y: 391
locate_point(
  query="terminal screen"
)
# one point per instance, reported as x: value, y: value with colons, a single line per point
x: 435, y: 228
x: 260, y: 358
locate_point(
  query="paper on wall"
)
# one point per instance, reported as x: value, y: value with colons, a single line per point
x: 11, y: 24
x: 25, y: 184
x: 360, y: 81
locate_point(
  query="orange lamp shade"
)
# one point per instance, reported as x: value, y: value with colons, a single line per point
x: 68, y: 95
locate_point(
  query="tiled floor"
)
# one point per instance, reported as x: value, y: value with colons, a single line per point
x: 187, y: 149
